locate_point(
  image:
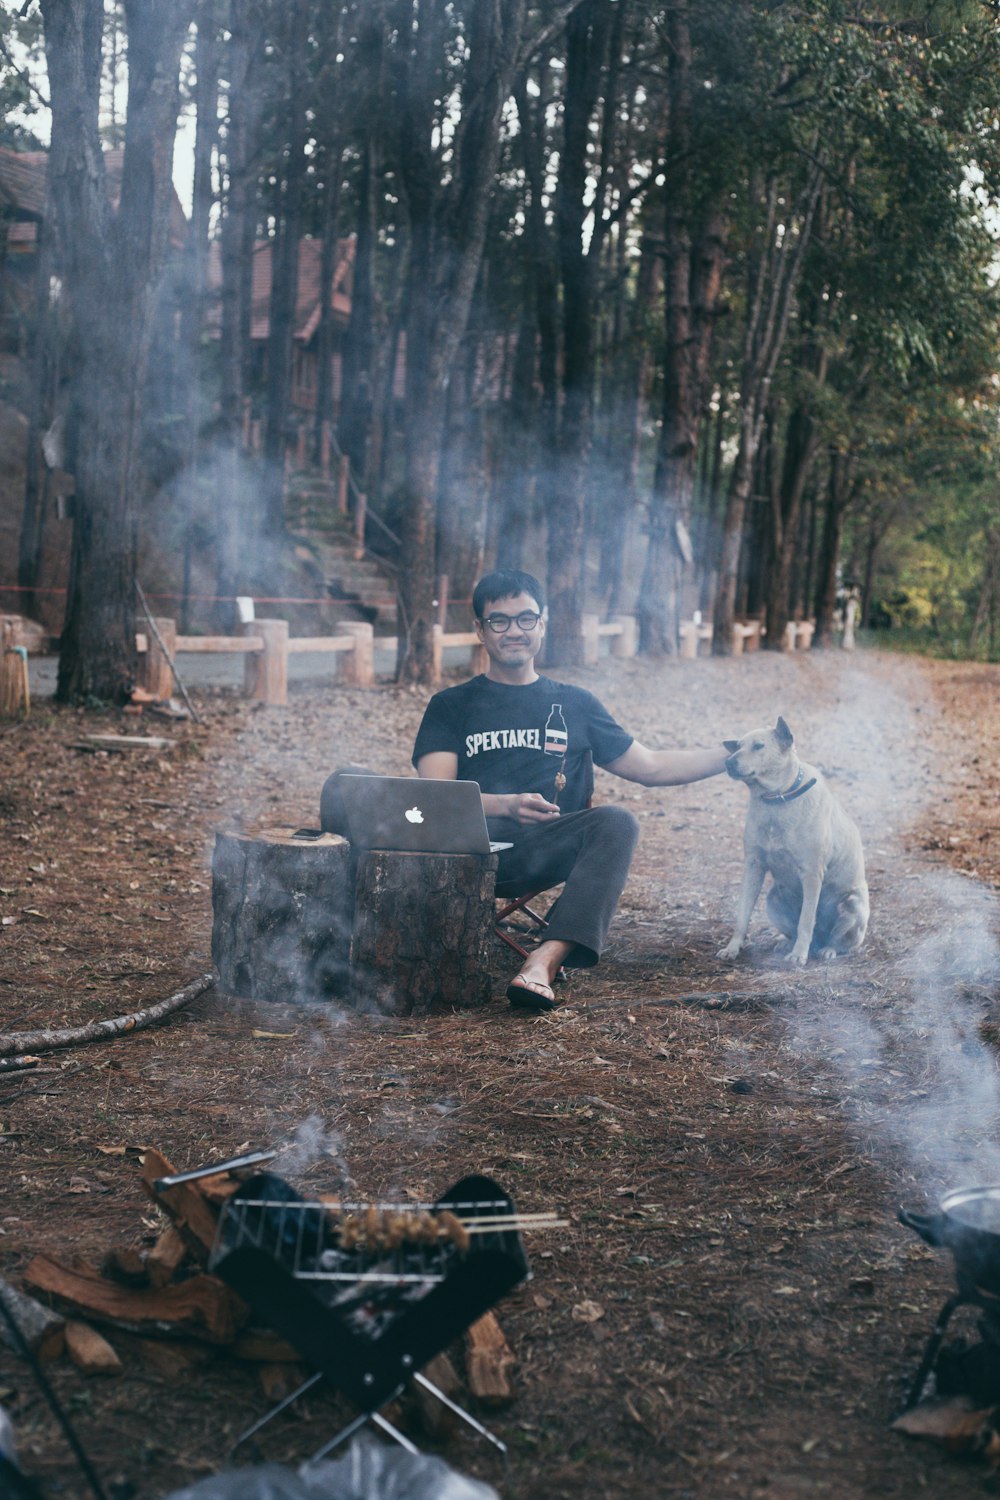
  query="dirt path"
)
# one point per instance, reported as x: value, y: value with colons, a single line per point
x: 731, y: 1170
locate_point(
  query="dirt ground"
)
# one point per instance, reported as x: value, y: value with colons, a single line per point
x: 733, y: 1308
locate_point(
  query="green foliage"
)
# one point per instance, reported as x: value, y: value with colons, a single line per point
x: 21, y: 74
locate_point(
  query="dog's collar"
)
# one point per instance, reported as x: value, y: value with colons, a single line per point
x: 798, y: 788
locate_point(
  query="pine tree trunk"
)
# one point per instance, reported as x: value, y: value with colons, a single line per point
x: 732, y: 535
x: 193, y: 394
x: 108, y: 260
x: 837, y: 498
x: 587, y: 38
x: 285, y: 274
x: 330, y: 36
x: 358, y: 385
x: 44, y: 357
x: 693, y: 263
x: 448, y: 233
x: 235, y: 514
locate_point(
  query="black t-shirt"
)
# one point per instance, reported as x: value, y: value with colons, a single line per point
x: 517, y: 738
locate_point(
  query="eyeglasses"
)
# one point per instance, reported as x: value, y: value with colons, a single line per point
x: 526, y: 620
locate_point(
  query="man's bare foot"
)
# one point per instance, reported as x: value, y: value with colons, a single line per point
x: 526, y: 992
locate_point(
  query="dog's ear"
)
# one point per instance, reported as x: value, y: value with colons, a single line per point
x: 785, y: 737
x: 730, y: 745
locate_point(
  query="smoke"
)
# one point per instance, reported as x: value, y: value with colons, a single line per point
x: 314, y: 1142
x: 912, y: 1067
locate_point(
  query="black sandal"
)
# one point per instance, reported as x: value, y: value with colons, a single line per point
x: 525, y: 996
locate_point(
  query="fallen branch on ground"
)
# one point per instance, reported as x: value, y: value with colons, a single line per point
x: 75, y: 1036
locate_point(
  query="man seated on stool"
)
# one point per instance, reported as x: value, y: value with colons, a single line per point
x: 531, y: 743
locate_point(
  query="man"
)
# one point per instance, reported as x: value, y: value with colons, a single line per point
x: 531, y: 744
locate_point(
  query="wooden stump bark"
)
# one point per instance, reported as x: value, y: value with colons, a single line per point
x: 423, y: 930
x: 282, y: 911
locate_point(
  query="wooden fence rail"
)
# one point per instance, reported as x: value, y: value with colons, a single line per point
x: 267, y: 645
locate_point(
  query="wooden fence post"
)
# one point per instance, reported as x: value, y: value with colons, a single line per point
x: 15, y: 696
x: 155, y: 672
x: 437, y: 652
x: 689, y: 639
x: 627, y: 643
x: 804, y: 635
x: 357, y: 667
x: 267, y: 671
x: 739, y: 638
x: 591, y: 640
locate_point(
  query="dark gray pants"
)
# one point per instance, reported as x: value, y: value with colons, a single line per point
x: 591, y: 851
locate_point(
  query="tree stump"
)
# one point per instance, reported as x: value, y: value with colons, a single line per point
x: 282, y: 911
x: 423, y: 930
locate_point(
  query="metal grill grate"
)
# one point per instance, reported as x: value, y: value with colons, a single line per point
x: 383, y: 1243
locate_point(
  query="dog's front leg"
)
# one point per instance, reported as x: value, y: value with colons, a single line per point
x: 812, y: 884
x: 754, y: 871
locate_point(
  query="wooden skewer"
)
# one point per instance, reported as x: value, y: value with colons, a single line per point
x: 488, y: 1228
x: 524, y: 1221
x: 334, y: 1206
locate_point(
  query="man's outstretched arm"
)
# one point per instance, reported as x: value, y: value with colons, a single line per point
x: 667, y: 767
x: 523, y: 807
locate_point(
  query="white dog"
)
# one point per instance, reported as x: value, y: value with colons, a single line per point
x: 797, y: 832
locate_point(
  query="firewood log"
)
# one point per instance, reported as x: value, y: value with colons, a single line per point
x: 489, y: 1361
x: 200, y: 1307
x: 42, y: 1330
x: 90, y: 1351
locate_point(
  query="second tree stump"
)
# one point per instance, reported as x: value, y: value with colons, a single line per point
x: 282, y: 915
x: 423, y: 930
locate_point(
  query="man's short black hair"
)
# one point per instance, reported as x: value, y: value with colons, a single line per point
x: 504, y: 584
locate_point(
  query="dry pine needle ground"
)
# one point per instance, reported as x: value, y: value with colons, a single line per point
x: 733, y: 1309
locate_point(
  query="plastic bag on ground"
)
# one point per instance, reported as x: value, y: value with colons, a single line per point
x: 367, y: 1470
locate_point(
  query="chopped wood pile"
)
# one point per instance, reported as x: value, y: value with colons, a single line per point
x: 166, y: 1298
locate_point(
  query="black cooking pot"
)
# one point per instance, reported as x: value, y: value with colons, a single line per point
x: 968, y: 1225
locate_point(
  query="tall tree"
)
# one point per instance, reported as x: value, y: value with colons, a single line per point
x: 110, y: 261
x: 588, y: 32
x: 196, y: 256
x: 775, y: 269
x: 292, y: 40
x: 695, y: 230
x: 241, y: 147
x: 447, y: 230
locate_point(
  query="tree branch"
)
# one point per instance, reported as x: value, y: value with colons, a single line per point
x: 20, y: 1042
x: 543, y: 37
x: 23, y: 73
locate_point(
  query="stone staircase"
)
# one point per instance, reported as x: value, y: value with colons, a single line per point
x: 359, y: 588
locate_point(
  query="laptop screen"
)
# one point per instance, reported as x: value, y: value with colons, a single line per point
x: 415, y: 814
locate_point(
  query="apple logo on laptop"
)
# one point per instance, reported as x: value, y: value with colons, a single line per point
x: 413, y: 815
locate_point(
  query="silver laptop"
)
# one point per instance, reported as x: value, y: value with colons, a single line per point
x: 416, y: 815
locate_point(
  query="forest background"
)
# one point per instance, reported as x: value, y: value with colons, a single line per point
x: 679, y: 305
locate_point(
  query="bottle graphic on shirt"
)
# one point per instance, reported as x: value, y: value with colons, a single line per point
x: 556, y: 733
